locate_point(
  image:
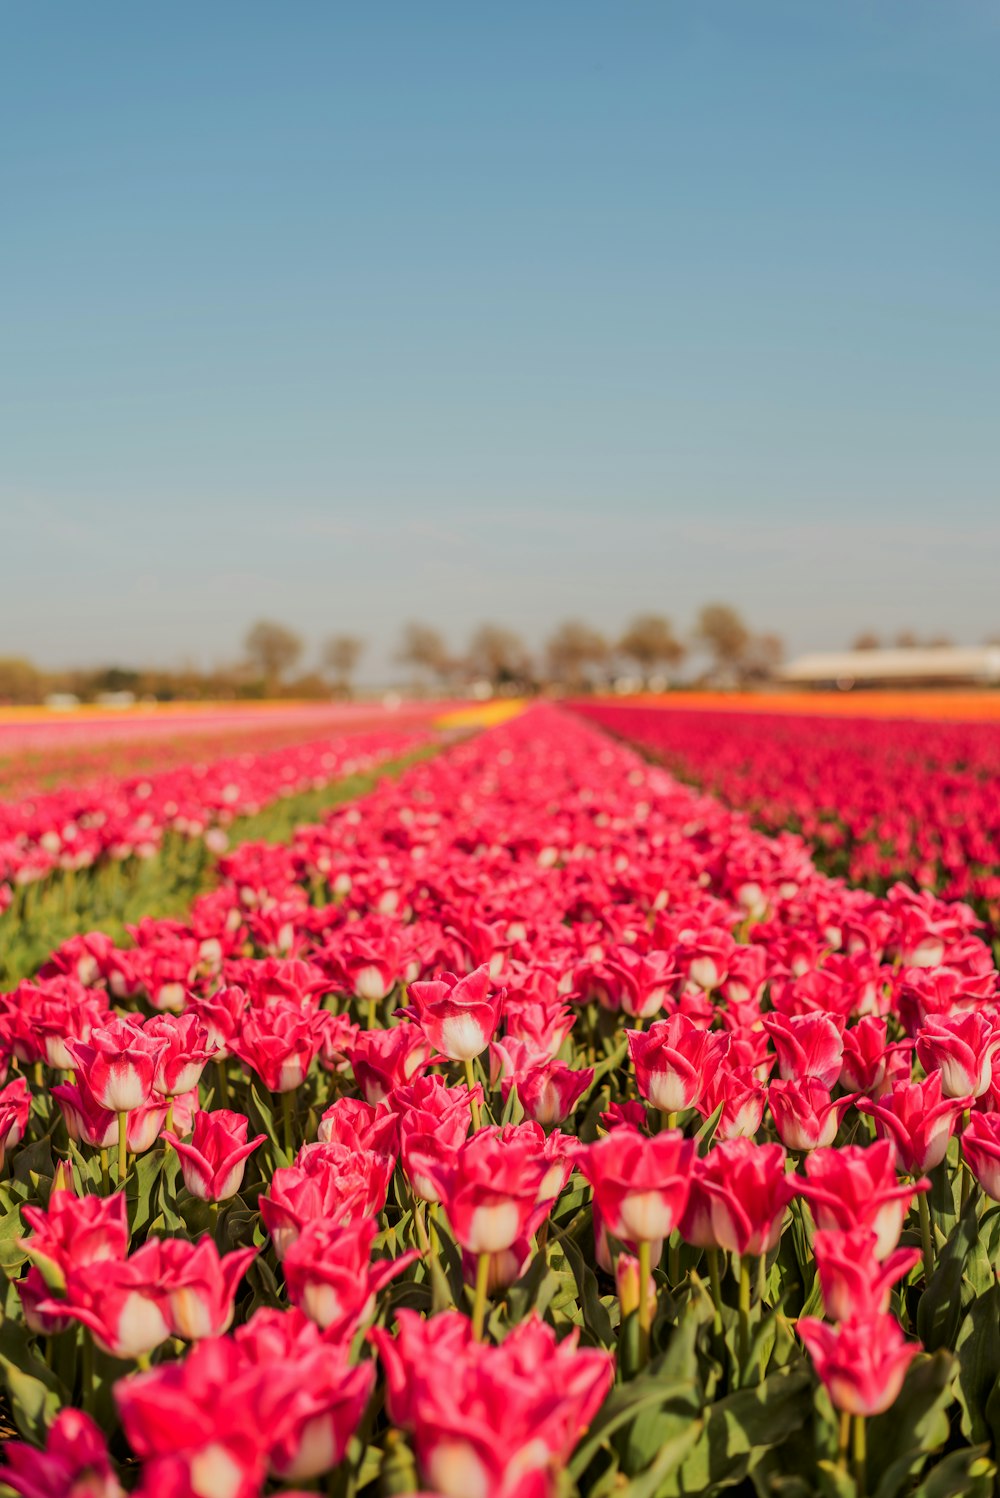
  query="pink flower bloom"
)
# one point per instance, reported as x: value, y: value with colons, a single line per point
x: 352, y: 1121
x: 200, y: 1287
x: 853, y: 1187
x: 918, y: 1120
x: 327, y: 1181
x: 981, y: 1149
x: 549, y: 1091
x: 500, y: 1420
x: 185, y: 1053
x: 279, y: 1042
x: 74, y: 1464
x: 674, y: 1061
x: 15, y: 1110
x: 74, y: 1232
x: 214, y: 1162
x: 385, y: 1059
x: 329, y: 1274
x: 640, y: 1184
x: 118, y: 1064
x: 86, y: 1121
x: 742, y: 1099
x: 808, y: 1045
x: 490, y: 1189
x: 962, y: 1048
x: 805, y: 1115
x: 121, y: 1302
x: 870, y: 1065
x: 644, y: 981
x: 458, y: 1015
x: 747, y: 1191
x: 853, y: 1281
x: 861, y: 1363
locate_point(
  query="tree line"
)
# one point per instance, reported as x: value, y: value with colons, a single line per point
x: 576, y: 657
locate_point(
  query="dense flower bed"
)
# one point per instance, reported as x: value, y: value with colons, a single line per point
x: 532, y: 1127
x: 878, y: 800
x: 77, y: 826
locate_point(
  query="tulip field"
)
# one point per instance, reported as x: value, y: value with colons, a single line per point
x: 879, y: 801
x: 498, y: 1114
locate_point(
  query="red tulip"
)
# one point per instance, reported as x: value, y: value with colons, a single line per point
x: 184, y: 1056
x: 385, y: 1059
x: 279, y: 1042
x: 74, y: 1232
x: 548, y: 1091
x: 121, y: 1302
x: 200, y: 1287
x: 331, y: 1181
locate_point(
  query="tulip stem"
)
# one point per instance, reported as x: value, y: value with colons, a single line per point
x: 223, y: 1081
x: 122, y: 1147
x: 744, y: 1308
x: 287, y: 1113
x: 87, y: 1372
x: 860, y: 1455
x: 479, y: 1304
x: 372, y: 1014
x: 715, y: 1280
x: 844, y: 1441
x: 645, y: 1303
x: 926, y: 1240
x: 105, y: 1173
x: 168, y: 1123
x: 470, y: 1082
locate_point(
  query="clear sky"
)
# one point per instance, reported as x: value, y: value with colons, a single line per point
x: 356, y: 312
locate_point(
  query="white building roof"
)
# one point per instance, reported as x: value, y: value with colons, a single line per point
x: 936, y: 663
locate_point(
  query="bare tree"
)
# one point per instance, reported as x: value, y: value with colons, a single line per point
x: 940, y: 642
x: 906, y: 640
x: 500, y: 656
x: 722, y: 631
x: 341, y: 654
x: 273, y: 649
x: 761, y: 658
x: 571, y: 649
x: 650, y: 641
x: 866, y: 640
x: 424, y: 648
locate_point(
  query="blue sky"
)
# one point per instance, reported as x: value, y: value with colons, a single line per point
x: 354, y: 313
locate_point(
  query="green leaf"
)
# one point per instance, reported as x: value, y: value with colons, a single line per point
x: 34, y: 1392
x: 940, y: 1310
x: 638, y: 1399
x: 917, y: 1424
x: 741, y: 1427
x: 672, y: 1452
x: 962, y: 1474
x: 977, y: 1350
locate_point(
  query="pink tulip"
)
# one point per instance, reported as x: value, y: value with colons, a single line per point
x: 185, y: 1053
x: 918, y: 1121
x: 808, y: 1045
x: 458, y: 1015
x: 853, y: 1281
x: 200, y: 1287
x: 674, y: 1061
x: 981, y: 1149
x: 330, y: 1277
x: 640, y: 1184
x: 962, y: 1048
x: 853, y: 1188
x: 214, y: 1162
x: 121, y: 1302
x: 748, y: 1190
x: 861, y: 1363
x: 805, y: 1115
x: 490, y: 1189
x: 74, y: 1464
x: 279, y: 1043
x: 385, y: 1059
x: 75, y: 1232
x: 118, y: 1064
x: 327, y: 1181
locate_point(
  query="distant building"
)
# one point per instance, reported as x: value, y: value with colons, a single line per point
x: 917, y: 667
